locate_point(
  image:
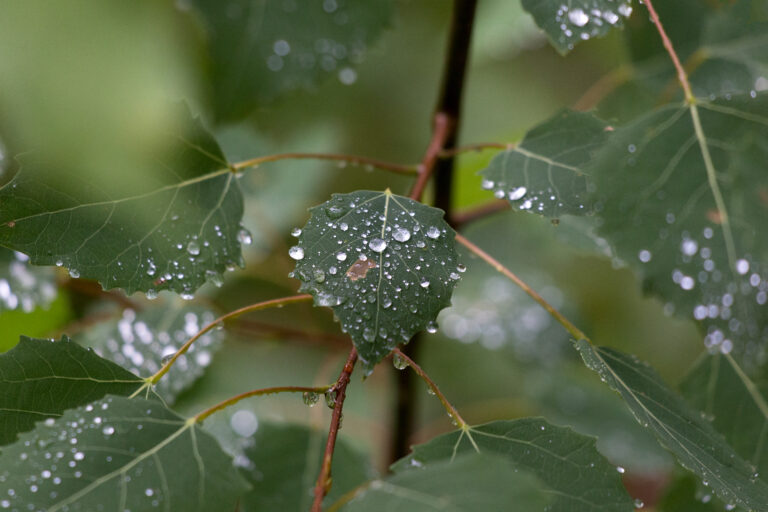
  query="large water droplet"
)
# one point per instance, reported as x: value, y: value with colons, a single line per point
x: 310, y: 398
x: 244, y: 237
x: 399, y: 362
x: 578, y: 17
x: 401, y: 235
x: 433, y: 232
x: 296, y: 252
x: 377, y: 245
x: 193, y: 248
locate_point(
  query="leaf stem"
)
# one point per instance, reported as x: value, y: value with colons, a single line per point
x: 572, y: 329
x: 450, y: 409
x: 469, y: 215
x: 323, y: 484
x: 348, y: 159
x: 199, y: 417
x: 479, y: 146
x: 233, y: 314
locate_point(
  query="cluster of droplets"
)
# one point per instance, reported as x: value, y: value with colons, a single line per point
x: 142, y: 342
x: 24, y: 287
x: 386, y: 265
x: 583, y: 20
x: 539, y: 194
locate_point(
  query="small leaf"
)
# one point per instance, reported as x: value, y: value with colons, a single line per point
x: 42, y: 378
x: 119, y: 454
x: 386, y: 265
x: 170, y: 226
x: 139, y: 342
x: 23, y: 286
x: 544, y: 173
x: 569, y: 466
x: 697, y: 446
x: 283, y: 479
x: 470, y: 483
x: 579, y: 20
x: 261, y: 50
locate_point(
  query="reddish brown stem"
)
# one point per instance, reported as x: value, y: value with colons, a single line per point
x: 257, y: 392
x: 345, y: 159
x: 464, y: 217
x: 323, y: 484
x: 442, y: 127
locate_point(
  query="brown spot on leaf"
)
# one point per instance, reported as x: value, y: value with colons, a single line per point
x: 10, y: 223
x: 608, y: 128
x: 359, y: 269
x: 714, y: 216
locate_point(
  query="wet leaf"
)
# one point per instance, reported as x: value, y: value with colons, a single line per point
x: 569, y: 466
x: 140, y: 341
x: 261, y: 50
x: 386, y: 265
x: 170, y: 226
x: 690, y: 228
x: 735, y: 404
x: 23, y: 286
x: 119, y: 453
x: 283, y: 479
x: 697, y: 446
x: 544, y: 174
x: 471, y: 482
x: 40, y: 379
x: 579, y: 20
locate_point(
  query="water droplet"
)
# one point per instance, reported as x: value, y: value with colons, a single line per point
x: 244, y: 237
x: 399, y: 362
x: 487, y: 184
x: 625, y: 10
x: 296, y: 252
x: 424, y: 283
x: 639, y: 503
x: 433, y: 232
x: 341, y: 256
x: 319, y: 275
x: 334, y: 212
x: 401, y: 235
x: 461, y: 267
x: 74, y: 273
x: 310, y: 398
x: 330, y: 399
x: 167, y: 358
x: 620, y: 469
x: 689, y: 247
x: 578, y: 17
x: 517, y: 193
x: 377, y: 245
x: 742, y: 266
x: 296, y: 232
x: 193, y: 248
x: 432, y: 327
x: 644, y: 256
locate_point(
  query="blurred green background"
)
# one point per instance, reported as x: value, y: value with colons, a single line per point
x: 78, y: 81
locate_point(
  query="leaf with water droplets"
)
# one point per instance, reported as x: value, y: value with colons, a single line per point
x: 42, y: 378
x: 131, y: 228
x: 471, y: 482
x: 567, y: 24
x: 283, y: 479
x: 262, y: 50
x: 384, y: 287
x: 735, y: 404
x: 544, y: 173
x: 23, y: 286
x: 141, y: 341
x: 118, y: 454
x: 683, y: 208
x: 697, y: 446
x: 567, y: 463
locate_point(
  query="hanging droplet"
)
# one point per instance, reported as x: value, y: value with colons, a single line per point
x: 244, y: 237
x: 296, y: 252
x: 74, y: 273
x: 296, y: 232
x: 330, y: 399
x: 432, y: 327
x: 310, y: 398
x: 399, y: 362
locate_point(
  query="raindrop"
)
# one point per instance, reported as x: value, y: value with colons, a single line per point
x: 625, y: 10
x: 433, y: 232
x: 639, y: 503
x: 644, y: 256
x: 341, y: 256
x: 377, y: 245
x: 193, y: 248
x: 401, y: 235
x: 399, y: 362
x: 244, y: 237
x: 334, y: 212
x: 578, y: 17
x: 73, y: 273
x: 487, y: 184
x: 432, y: 327
x: 296, y: 252
x: 310, y: 398
x: 330, y: 399
x: 742, y: 266
x: 620, y: 469
x: 296, y: 232
x: 424, y: 283
x: 689, y: 247
x: 517, y: 193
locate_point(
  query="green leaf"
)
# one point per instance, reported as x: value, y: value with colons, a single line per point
x: 42, y: 378
x: 283, y: 479
x: 579, y: 20
x: 170, y: 226
x: 261, y: 50
x: 139, y: 341
x: 697, y: 446
x: 659, y: 208
x: 386, y: 265
x: 119, y: 454
x: 22, y: 286
x: 682, y: 494
x: 569, y: 466
x: 471, y: 482
x: 544, y: 173
x: 735, y: 404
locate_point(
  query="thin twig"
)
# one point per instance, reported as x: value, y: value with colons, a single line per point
x: 572, y: 329
x: 450, y: 409
x: 258, y: 392
x: 604, y: 86
x: 346, y: 159
x: 440, y: 130
x: 323, y: 484
x: 469, y: 215
x: 477, y: 147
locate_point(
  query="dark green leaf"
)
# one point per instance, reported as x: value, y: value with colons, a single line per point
x: 140, y: 341
x: 544, y: 173
x: 735, y: 404
x: 386, y: 265
x: 23, y: 286
x: 472, y: 482
x: 683, y: 495
x: 659, y: 208
x: 260, y: 50
x: 42, y: 378
x: 579, y: 20
x: 119, y: 454
x: 697, y: 446
x: 173, y: 225
x: 283, y: 464
x: 571, y: 469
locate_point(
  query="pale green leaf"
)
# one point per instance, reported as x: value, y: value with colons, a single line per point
x: 118, y: 454
x: 173, y: 225
x: 569, y: 466
x: 386, y: 265
x: 697, y: 446
x: 23, y: 286
x: 40, y: 379
x: 470, y: 483
x: 544, y: 173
